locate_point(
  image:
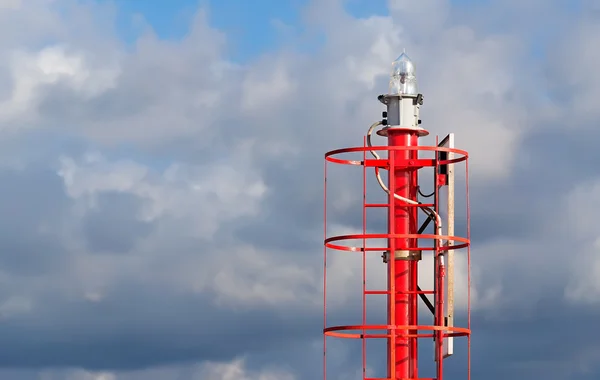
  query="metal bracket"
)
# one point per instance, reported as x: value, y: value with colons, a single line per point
x: 403, y: 254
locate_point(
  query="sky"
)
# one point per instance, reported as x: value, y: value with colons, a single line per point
x: 162, y: 181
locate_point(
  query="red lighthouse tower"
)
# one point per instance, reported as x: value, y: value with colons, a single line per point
x: 409, y: 243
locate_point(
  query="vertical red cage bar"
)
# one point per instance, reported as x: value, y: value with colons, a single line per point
x: 413, y: 264
x: 439, y: 286
x: 468, y: 269
x: 325, y: 271
x: 364, y: 260
x: 440, y: 315
x: 439, y: 342
x: 392, y: 347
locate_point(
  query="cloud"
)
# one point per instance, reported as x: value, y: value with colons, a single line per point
x: 161, y: 201
x: 235, y: 369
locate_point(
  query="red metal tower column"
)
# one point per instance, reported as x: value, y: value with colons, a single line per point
x: 404, y: 221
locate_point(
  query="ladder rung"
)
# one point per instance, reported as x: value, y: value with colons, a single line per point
x: 400, y: 292
x: 377, y: 292
x: 404, y: 205
x: 400, y: 378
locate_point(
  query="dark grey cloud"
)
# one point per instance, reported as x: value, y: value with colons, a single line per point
x: 138, y: 329
x: 114, y: 225
x: 33, y: 206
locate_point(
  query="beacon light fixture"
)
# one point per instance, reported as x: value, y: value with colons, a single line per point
x: 403, y: 80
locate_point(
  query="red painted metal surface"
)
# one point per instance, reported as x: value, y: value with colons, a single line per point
x: 404, y: 220
x: 403, y: 330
